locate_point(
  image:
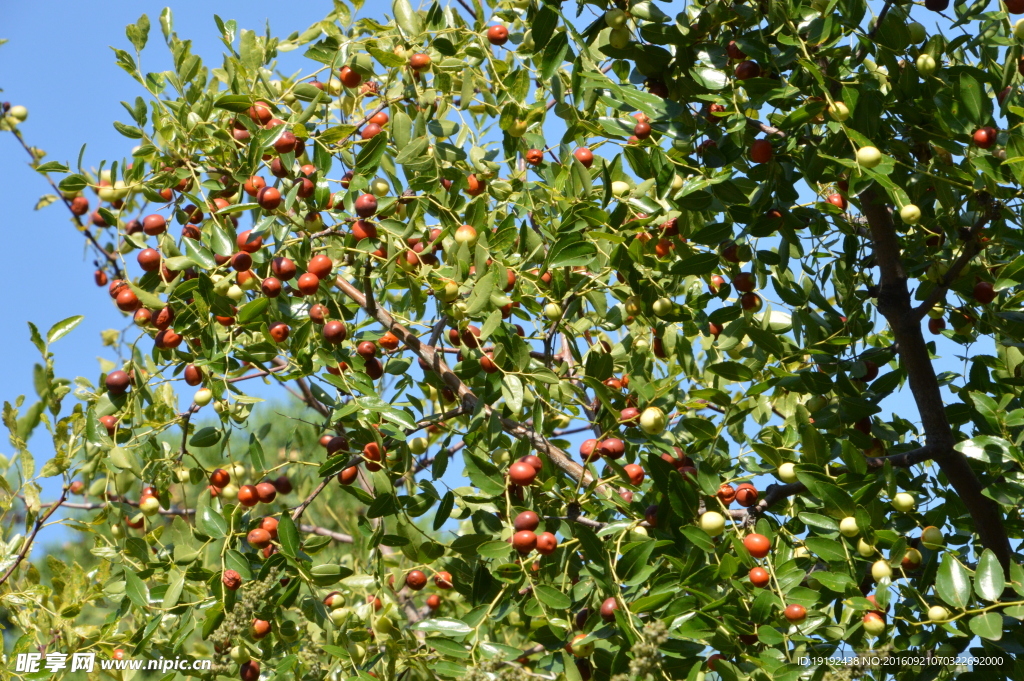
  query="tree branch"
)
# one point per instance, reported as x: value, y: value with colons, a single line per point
x: 110, y: 257
x: 972, y: 247
x: 26, y: 546
x: 435, y: 360
x: 894, y: 305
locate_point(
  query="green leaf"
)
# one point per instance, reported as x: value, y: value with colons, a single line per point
x: 444, y: 510
x: 138, y: 33
x: 953, y: 582
x: 205, y: 437
x: 62, y: 328
x: 444, y: 625
x: 701, y: 263
x: 371, y: 153
x: 175, y: 585
x: 552, y: 597
x: 235, y: 103
x: 210, y: 522
x: 829, y: 549
x: 288, y: 535
x: 989, y: 581
x: 571, y: 251
x: 253, y: 310
x: 407, y: 18
x: 136, y: 589
x: 512, y: 390
x: 988, y: 625
x: 732, y: 371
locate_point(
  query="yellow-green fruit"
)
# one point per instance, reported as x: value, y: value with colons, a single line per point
x: 384, y: 625
x: 182, y: 475
x: 787, y: 472
x: 881, y: 569
x: 117, y: 530
x: 553, y: 311
x: 917, y: 32
x: 848, y: 527
x: 663, y: 307
x: 235, y: 292
x: 874, y: 624
x: 903, y: 502
x: 240, y: 654
x: 869, y: 157
x: 418, y: 445
x: 1018, y: 29
x: 620, y: 188
x: 937, y: 613
x: 713, y: 523
x: 838, y: 111
x: 633, y: 306
x: 520, y: 4
x: 619, y: 38
x: 380, y: 186
x: 202, y: 398
x: 926, y: 65
x: 517, y: 129
x: 229, y: 492
x: 615, y: 18
x: 149, y: 505
x: 865, y: 549
x: 653, y: 421
x: 18, y: 113
x: 932, y: 538
x: 677, y: 183
x: 910, y: 214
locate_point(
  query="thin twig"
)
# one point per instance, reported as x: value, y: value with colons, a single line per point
x: 26, y: 545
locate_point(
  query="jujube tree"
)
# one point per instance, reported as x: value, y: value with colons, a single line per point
x: 618, y: 275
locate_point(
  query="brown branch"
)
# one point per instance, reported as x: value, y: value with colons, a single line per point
x: 435, y: 360
x: 765, y: 128
x: 469, y: 9
x: 26, y: 546
x: 324, y: 532
x: 301, y: 508
x: 307, y: 393
x: 110, y: 257
x: 862, y: 52
x: 972, y: 247
x: 894, y: 305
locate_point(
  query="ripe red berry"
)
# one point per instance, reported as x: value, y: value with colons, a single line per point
x: 984, y: 292
x: 248, y: 496
x: 759, y: 577
x: 726, y: 494
x: 746, y: 495
x: 266, y: 492
x: 585, y: 156
x: 761, y: 151
x: 985, y: 137
x: 117, y: 382
x: 279, y: 332
x: 269, y: 198
x: 231, y: 580
x: 497, y: 35
x: 258, y: 538
x: 635, y: 473
x: 335, y: 332
x: 522, y: 474
x: 796, y: 613
x: 524, y: 541
x: 443, y: 580
x: 348, y: 77
x: 309, y: 284
x: 527, y: 520
x: 415, y: 580
x: 366, y: 205
x: 757, y: 544
x: 748, y: 69
x: 154, y: 224
x: 220, y: 478
x: 608, y: 608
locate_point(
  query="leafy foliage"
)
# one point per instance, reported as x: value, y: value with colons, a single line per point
x: 394, y: 235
